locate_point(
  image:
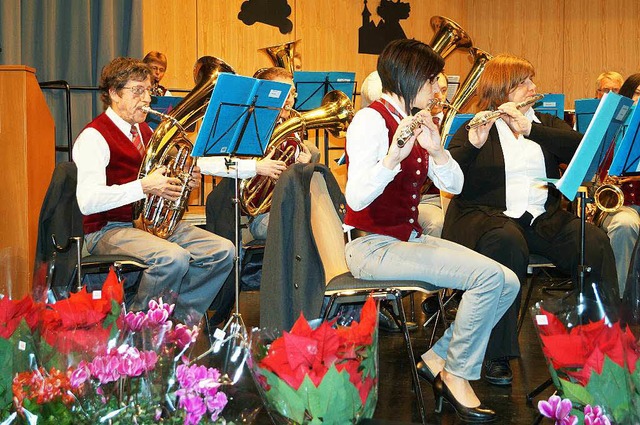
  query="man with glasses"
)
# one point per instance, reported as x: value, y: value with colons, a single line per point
x: 608, y: 81
x: 192, y: 263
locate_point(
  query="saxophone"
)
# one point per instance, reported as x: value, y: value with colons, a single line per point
x: 170, y: 147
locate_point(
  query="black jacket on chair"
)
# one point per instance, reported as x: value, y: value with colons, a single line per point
x: 293, y: 278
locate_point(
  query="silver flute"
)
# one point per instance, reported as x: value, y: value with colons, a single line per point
x: 407, y: 132
x: 477, y: 122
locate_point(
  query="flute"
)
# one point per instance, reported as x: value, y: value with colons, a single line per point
x: 407, y: 132
x: 477, y: 122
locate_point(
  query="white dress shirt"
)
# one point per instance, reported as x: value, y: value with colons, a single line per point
x: 368, y: 144
x: 92, y: 155
x: 523, y: 164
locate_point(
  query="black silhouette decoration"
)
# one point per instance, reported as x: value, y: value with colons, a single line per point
x: 271, y: 12
x: 372, y: 38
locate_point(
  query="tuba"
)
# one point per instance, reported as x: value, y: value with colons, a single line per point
x: 467, y: 88
x: 282, y: 55
x: 448, y: 36
x: 170, y: 147
x: 334, y: 115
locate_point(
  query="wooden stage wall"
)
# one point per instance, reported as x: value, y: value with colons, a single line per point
x: 569, y: 42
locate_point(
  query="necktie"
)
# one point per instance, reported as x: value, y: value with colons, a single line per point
x: 137, y: 140
x: 436, y: 120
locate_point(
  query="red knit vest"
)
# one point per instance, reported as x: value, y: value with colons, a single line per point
x: 123, y: 167
x: 395, y: 211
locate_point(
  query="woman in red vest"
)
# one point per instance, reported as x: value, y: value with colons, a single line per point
x: 383, y: 194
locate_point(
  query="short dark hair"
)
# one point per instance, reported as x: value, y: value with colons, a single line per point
x: 118, y: 72
x: 272, y: 73
x: 405, y: 66
x: 630, y: 85
x: 155, y: 56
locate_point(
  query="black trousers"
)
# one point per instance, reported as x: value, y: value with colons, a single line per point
x: 511, y: 246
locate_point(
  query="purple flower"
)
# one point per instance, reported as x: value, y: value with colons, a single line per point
x: 557, y: 409
x: 182, y: 336
x: 195, y: 408
x: 215, y: 404
x: 159, y: 312
x: 595, y: 416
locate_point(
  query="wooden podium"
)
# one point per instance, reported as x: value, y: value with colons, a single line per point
x: 27, y: 137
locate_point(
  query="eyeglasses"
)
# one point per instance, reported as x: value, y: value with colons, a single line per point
x: 608, y: 89
x: 139, y: 90
x: 293, y: 93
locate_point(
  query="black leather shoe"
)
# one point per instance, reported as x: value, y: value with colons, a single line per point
x: 424, y: 372
x: 479, y: 414
x: 387, y: 324
x: 498, y: 372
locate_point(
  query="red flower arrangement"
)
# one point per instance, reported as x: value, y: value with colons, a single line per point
x: 326, y: 374
x: 592, y: 363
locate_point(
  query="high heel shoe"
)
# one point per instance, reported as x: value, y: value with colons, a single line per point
x: 479, y: 414
x: 424, y: 372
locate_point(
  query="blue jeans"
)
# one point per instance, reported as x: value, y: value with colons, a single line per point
x: 490, y: 288
x: 192, y: 263
x: 622, y: 227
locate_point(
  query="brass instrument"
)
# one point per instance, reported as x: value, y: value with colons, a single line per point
x: 170, y: 147
x: 158, y: 90
x: 477, y: 122
x: 282, y: 55
x: 448, y: 36
x: 334, y: 115
x: 467, y: 89
x: 608, y: 197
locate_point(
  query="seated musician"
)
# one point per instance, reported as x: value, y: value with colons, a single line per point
x: 192, y: 262
x: 383, y: 193
x: 609, y: 81
x: 157, y: 61
x: 504, y: 211
x: 623, y: 226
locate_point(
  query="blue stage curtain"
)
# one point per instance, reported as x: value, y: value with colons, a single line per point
x: 69, y: 40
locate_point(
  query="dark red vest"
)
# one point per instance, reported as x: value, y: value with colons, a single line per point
x: 123, y: 167
x: 395, y: 211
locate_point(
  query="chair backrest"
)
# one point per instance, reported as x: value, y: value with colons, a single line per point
x: 60, y: 216
x: 327, y: 229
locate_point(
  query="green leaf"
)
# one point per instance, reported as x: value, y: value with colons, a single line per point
x: 371, y: 403
x: 283, y: 398
x: 610, y: 389
x: 575, y: 392
x: 6, y: 378
x: 635, y: 377
x: 316, y: 405
x: 23, y: 357
x: 342, y: 397
x: 370, y: 361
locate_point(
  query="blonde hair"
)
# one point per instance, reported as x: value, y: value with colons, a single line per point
x: 609, y: 75
x: 155, y: 56
x: 502, y: 74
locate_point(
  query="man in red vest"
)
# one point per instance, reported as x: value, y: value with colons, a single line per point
x: 192, y: 263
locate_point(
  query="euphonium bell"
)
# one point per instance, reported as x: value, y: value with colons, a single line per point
x: 282, y: 55
x: 608, y: 198
x: 334, y: 115
x: 170, y: 147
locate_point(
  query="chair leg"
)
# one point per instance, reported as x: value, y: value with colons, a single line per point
x: 412, y: 361
x: 412, y: 303
x: 525, y: 305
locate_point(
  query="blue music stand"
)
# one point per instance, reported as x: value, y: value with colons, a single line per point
x: 626, y: 159
x: 239, y: 120
x: 240, y: 117
x: 551, y: 103
x: 457, y: 122
x: 162, y: 104
x: 312, y: 86
x: 585, y: 108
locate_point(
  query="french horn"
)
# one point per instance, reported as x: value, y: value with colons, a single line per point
x: 170, y: 147
x: 334, y: 115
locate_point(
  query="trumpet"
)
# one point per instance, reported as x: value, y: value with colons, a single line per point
x: 407, y: 132
x: 477, y: 122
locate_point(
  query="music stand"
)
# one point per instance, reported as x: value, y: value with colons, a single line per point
x: 239, y: 120
x: 162, y: 104
x: 311, y: 88
x: 551, y: 103
x: 626, y: 159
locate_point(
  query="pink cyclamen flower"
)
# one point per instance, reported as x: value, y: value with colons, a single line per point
x: 80, y: 375
x: 159, y: 312
x: 135, y: 321
x: 595, y: 416
x: 558, y: 409
x: 182, y: 336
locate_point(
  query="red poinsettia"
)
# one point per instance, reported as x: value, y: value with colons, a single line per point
x: 584, y: 347
x: 76, y: 323
x: 311, y: 352
x: 12, y: 312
